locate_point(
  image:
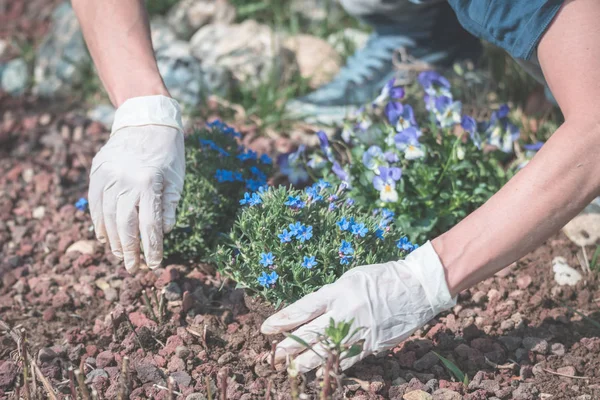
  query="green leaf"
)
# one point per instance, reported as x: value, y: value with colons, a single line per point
x: 588, y: 319
x: 305, y: 344
x: 354, y: 350
x: 453, y: 368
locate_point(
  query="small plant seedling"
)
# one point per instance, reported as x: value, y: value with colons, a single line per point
x: 339, y: 345
x: 454, y: 369
x: 594, y: 265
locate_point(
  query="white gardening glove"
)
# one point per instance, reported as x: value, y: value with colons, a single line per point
x: 137, y: 178
x: 389, y: 300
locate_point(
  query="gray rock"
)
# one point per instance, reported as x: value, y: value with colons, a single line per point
x: 62, y: 61
x: 172, y: 291
x: 195, y: 396
x: 147, y: 372
x: 95, y: 373
x: 182, y: 378
x: 187, y: 16
x: 15, y: 77
x: 104, y: 114
x: 558, y: 349
x: 161, y: 33
x: 185, y: 78
x: 226, y: 358
x: 182, y: 352
x: 426, y: 362
x: 250, y: 51
x: 510, y: 342
x: 537, y: 345
x: 525, y: 391
x: 8, y: 374
x: 446, y: 394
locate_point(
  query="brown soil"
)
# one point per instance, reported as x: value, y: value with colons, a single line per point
x: 506, y: 333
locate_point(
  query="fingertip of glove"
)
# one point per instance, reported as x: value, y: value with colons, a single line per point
x: 268, y: 329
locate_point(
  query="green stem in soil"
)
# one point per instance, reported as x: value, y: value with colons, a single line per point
x: 84, y: 390
x: 149, y: 306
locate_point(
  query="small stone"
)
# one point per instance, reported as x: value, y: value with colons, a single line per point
x: 226, y: 358
x: 105, y: 359
x: 15, y: 76
x: 8, y: 374
x: 524, y: 281
x: 46, y: 354
x: 39, y: 212
x: 195, y: 396
x: 172, y: 291
x: 182, y: 378
x: 537, y: 370
x: 507, y: 325
x: 489, y: 386
x: 187, y: 16
x: 525, y: 391
x: 83, y: 247
x: 426, y: 362
x: 96, y: 373
x: 149, y: 373
x: 446, y: 394
x: 176, y: 364
x: 521, y: 354
x: 569, y: 370
x: 182, y: 352
x: 563, y: 273
x: 537, y: 345
x: 49, y: 314
x: 417, y: 395
x: 479, y: 297
x: 558, y: 349
x: 317, y: 60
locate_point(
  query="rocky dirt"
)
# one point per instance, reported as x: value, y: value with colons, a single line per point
x: 78, y: 307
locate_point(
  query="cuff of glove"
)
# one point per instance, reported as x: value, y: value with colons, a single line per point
x: 426, y: 266
x: 148, y: 110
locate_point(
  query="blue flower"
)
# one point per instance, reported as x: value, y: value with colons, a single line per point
x: 331, y: 207
x: 341, y: 173
x: 313, y: 194
x: 258, y: 173
x: 432, y: 81
x: 294, y: 202
x: 247, y: 155
x: 344, y: 260
x: 406, y: 245
x: 385, y: 183
x: 253, y: 184
x: 223, y: 175
x: 359, y: 229
x: 407, y: 140
x: 389, y: 91
x: 246, y: 199
x: 533, y: 147
x: 447, y: 111
x: 345, y: 224
x: 309, y: 262
x: 379, y: 233
x: 325, y: 147
x: 305, y: 233
x: 392, y: 111
x: 237, y: 176
x: 214, y: 146
x: 81, y: 204
x: 400, y: 116
x: 500, y: 132
x: 295, y: 228
x: 391, y: 157
x: 265, y: 159
x: 266, y: 259
x: 285, y: 236
x: 255, y: 200
x: 385, y: 213
x: 322, y: 185
x: 290, y: 165
x: 373, y: 158
x: 346, y: 248
x: 333, y: 198
x: 350, y: 202
x: 470, y: 125
x: 267, y: 280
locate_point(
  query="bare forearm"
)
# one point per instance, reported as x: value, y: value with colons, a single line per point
x: 118, y: 36
x: 558, y: 183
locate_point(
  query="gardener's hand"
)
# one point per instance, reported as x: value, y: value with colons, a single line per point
x: 390, y: 301
x: 137, y: 178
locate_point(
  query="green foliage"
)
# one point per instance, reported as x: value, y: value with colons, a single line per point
x: 594, y: 264
x: 218, y: 172
x: 286, y: 227
x: 454, y: 369
x: 337, y: 339
x: 446, y: 173
x: 159, y: 7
